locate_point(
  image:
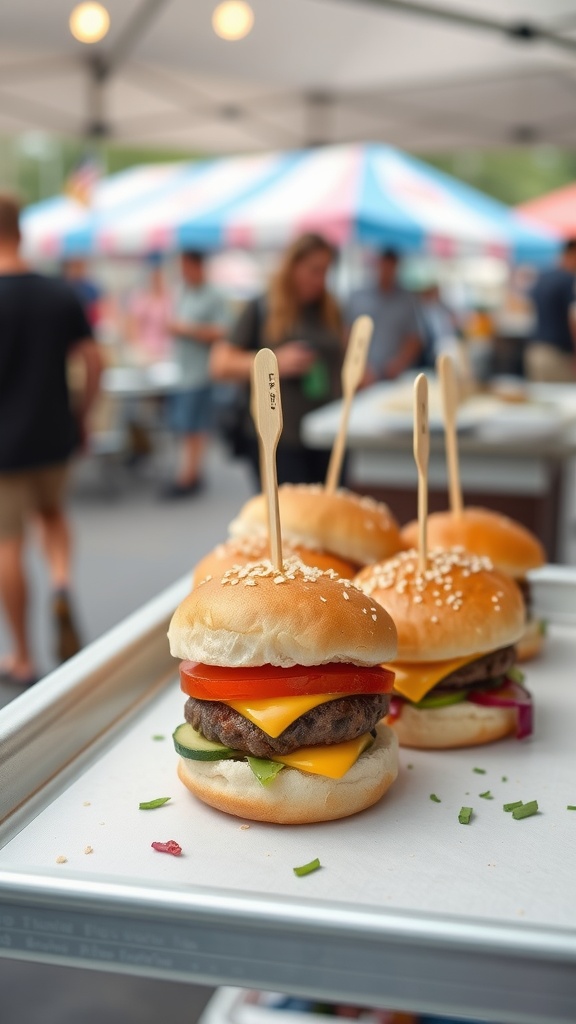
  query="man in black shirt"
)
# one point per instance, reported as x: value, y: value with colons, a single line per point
x: 552, y: 354
x: 41, y: 326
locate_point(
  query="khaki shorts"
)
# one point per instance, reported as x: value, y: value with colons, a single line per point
x: 30, y: 491
x: 546, y: 363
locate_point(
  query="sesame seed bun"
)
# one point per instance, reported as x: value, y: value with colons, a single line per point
x: 254, y: 615
x: 352, y: 526
x: 460, y: 606
x: 509, y: 545
x: 458, y: 725
x: 241, y: 550
x: 295, y: 797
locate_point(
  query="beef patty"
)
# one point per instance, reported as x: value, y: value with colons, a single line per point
x: 489, y: 666
x: 342, y: 719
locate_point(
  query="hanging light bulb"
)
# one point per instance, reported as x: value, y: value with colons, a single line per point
x: 89, y: 22
x: 233, y: 19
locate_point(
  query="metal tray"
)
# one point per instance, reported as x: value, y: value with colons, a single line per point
x: 410, y: 910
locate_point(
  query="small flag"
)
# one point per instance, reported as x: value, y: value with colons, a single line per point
x: 83, y: 178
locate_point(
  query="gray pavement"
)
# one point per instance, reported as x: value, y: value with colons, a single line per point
x: 129, y: 545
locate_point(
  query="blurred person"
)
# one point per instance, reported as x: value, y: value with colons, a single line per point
x: 396, y: 343
x: 551, y: 354
x: 200, y: 319
x: 148, y: 313
x: 479, y: 332
x: 89, y: 294
x: 438, y: 326
x: 301, y: 321
x: 42, y: 324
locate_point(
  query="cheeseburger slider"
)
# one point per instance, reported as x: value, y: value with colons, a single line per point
x: 351, y: 526
x: 285, y: 692
x: 457, y: 623
x: 240, y: 550
x: 511, y: 548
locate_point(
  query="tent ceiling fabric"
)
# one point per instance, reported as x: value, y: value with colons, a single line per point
x: 311, y: 71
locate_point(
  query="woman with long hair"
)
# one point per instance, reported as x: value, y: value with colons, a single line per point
x: 301, y: 321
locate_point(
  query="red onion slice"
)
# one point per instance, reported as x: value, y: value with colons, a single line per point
x: 510, y: 695
x: 395, y: 709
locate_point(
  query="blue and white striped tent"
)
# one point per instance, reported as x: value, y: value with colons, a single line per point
x: 355, y: 194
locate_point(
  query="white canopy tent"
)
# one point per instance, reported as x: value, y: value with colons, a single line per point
x: 456, y: 73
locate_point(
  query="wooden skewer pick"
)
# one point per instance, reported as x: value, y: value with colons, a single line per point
x: 449, y: 387
x: 266, y: 410
x: 421, y: 455
x: 352, y: 373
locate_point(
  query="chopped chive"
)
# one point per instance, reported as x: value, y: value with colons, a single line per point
x: 149, y: 805
x: 465, y: 815
x: 158, y: 737
x: 307, y: 869
x: 504, y: 778
x: 409, y: 766
x: 487, y: 795
x: 479, y: 771
x: 512, y: 807
x: 571, y: 807
x: 435, y: 799
x: 526, y: 811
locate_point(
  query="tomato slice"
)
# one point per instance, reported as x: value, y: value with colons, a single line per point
x: 209, y: 682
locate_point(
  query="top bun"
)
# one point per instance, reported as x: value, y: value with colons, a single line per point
x: 460, y: 606
x: 508, y: 545
x: 351, y: 525
x: 255, y: 615
x: 240, y: 550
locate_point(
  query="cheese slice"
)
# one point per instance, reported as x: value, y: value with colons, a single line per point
x: 274, y: 714
x: 333, y: 761
x: 414, y: 680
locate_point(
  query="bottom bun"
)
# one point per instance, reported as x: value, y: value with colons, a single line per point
x: 531, y: 642
x: 295, y: 797
x: 458, y: 725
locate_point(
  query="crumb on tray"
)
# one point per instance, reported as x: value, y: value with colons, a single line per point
x: 61, y: 860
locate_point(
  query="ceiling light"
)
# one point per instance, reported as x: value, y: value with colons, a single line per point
x: 233, y: 19
x: 89, y: 22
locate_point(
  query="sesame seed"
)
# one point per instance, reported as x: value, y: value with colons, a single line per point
x: 345, y: 595
x: 417, y: 599
x: 434, y: 618
x: 279, y: 579
x: 323, y: 599
x: 88, y: 849
x: 438, y: 602
x: 374, y: 618
x: 250, y: 582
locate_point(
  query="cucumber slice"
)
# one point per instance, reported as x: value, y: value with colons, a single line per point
x: 188, y: 742
x: 442, y: 700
